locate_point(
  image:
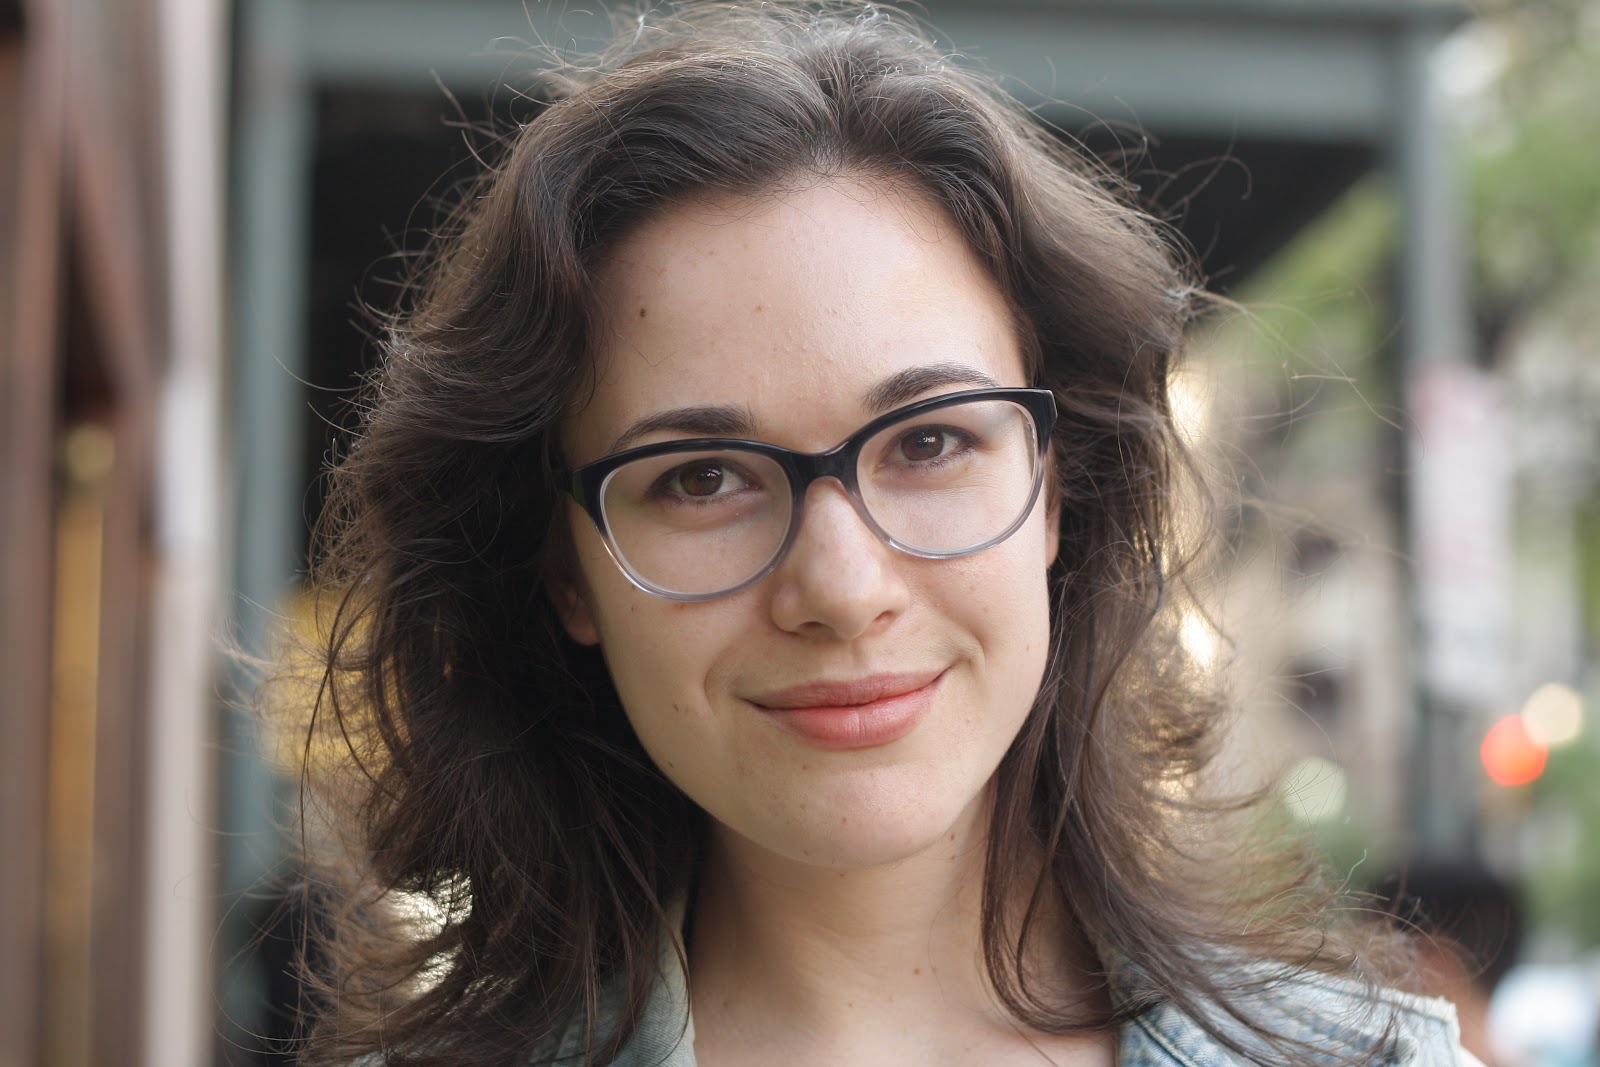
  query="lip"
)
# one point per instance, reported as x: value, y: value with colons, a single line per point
x: 863, y: 713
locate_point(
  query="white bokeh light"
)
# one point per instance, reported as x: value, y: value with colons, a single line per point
x: 1314, y: 789
x: 1554, y: 714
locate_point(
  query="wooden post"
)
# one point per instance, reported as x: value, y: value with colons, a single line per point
x: 32, y: 77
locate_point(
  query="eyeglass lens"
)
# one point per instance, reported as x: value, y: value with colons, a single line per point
x: 942, y: 483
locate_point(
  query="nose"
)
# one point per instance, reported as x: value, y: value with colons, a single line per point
x: 839, y: 579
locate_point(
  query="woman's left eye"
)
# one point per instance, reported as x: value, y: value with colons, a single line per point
x: 927, y: 443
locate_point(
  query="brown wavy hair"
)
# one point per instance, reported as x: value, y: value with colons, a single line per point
x: 483, y: 760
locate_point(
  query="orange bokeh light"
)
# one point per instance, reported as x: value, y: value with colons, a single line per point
x: 1510, y: 754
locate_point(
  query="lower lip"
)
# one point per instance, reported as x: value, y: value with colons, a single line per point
x: 856, y: 726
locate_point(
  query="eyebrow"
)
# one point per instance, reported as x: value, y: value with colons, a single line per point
x: 720, y: 420
x: 729, y: 420
x: 909, y: 384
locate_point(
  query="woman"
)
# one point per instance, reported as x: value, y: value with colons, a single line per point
x: 753, y: 633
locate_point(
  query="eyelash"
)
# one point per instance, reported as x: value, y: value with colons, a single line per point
x: 960, y: 441
x: 662, y: 488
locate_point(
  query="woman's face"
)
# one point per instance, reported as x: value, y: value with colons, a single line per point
x: 790, y: 310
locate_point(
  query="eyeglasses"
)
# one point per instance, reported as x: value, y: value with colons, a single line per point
x: 706, y: 518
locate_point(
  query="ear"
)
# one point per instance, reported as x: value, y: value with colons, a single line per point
x: 1052, y: 513
x: 1052, y: 530
x: 573, y: 610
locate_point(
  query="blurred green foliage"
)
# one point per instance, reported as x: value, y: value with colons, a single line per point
x: 1564, y: 887
x: 1534, y: 164
x: 1530, y: 150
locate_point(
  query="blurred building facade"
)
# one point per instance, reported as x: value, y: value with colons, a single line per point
x: 111, y: 582
x: 204, y: 192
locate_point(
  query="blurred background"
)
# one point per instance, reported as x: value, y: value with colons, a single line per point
x: 1400, y: 198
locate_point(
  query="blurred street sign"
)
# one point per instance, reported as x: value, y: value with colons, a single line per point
x: 1461, y: 497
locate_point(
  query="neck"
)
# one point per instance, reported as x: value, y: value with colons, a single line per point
x: 834, y: 965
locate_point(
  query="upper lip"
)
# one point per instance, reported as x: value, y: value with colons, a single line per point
x: 845, y: 694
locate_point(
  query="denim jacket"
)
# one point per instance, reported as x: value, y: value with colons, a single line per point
x: 1317, y: 1011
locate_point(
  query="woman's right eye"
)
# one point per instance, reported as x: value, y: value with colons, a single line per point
x: 701, y: 480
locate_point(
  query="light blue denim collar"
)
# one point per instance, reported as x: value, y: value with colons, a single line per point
x: 1319, y: 1011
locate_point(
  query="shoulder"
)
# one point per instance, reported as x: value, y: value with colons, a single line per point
x: 662, y: 1036
x: 1319, y: 1019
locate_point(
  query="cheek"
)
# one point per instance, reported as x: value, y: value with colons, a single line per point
x: 1004, y: 603
x: 651, y: 645
x: 662, y: 655
x: 659, y: 682
x: 1005, y: 590
x: 666, y: 660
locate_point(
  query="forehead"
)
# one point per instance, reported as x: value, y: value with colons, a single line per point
x: 792, y: 306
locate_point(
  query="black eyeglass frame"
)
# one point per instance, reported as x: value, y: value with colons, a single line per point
x: 585, y: 484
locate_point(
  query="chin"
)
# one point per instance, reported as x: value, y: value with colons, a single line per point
x: 866, y: 831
